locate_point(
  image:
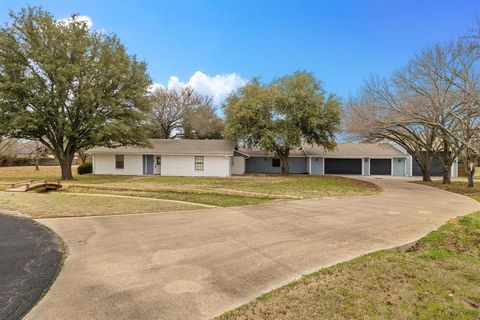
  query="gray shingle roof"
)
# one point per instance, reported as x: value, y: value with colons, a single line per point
x: 257, y: 152
x: 356, y: 150
x: 176, y: 147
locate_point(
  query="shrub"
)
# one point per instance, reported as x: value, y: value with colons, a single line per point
x: 85, y: 168
x: 10, y: 161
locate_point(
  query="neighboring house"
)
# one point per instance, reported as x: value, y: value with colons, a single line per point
x: 221, y: 158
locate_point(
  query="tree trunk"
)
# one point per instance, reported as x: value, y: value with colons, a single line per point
x: 471, y: 181
x: 37, y: 155
x: 470, y: 171
x: 426, y: 170
x: 66, y: 166
x: 426, y: 176
x: 284, y: 164
x: 446, y: 176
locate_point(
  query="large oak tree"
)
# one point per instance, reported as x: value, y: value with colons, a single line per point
x: 69, y: 87
x: 283, y: 114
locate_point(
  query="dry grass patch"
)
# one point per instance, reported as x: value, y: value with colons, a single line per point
x: 459, y: 187
x: 59, y: 204
x: 213, y: 199
x: 230, y: 191
x: 9, y: 175
x: 12, y: 174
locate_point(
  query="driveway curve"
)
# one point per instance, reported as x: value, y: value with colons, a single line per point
x: 30, y: 258
x: 198, y: 264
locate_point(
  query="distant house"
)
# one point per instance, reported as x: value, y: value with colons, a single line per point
x: 222, y: 158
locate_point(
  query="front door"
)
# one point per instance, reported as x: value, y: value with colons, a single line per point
x: 158, y: 165
x: 148, y: 164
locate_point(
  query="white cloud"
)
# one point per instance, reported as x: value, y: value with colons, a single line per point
x: 218, y: 86
x: 85, y: 19
x: 156, y: 85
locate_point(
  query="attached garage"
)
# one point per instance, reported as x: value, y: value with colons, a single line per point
x: 343, y: 166
x: 359, y: 159
x: 435, y: 168
x: 380, y: 166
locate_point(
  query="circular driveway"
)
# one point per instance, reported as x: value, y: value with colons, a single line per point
x: 30, y: 258
x: 198, y: 264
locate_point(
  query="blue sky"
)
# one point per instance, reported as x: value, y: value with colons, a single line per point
x: 342, y: 42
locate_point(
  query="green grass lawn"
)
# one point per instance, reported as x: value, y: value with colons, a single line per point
x: 437, y: 278
x: 223, y: 192
x: 304, y: 186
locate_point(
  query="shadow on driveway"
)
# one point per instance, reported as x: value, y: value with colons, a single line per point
x: 30, y: 259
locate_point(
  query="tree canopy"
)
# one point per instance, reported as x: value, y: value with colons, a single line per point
x: 281, y: 115
x: 69, y: 87
x: 183, y: 113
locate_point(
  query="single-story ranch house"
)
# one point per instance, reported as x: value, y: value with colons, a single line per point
x: 223, y: 158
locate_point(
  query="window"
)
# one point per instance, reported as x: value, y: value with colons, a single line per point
x: 199, y: 163
x: 276, y: 163
x: 119, y: 161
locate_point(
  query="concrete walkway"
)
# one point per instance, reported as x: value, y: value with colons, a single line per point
x: 195, y: 265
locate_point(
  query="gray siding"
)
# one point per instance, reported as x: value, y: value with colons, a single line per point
x: 264, y: 165
x: 366, y: 166
x: 316, y: 165
x: 399, y: 167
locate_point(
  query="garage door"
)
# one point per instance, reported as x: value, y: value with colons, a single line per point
x: 381, y: 166
x: 435, y: 168
x: 343, y: 166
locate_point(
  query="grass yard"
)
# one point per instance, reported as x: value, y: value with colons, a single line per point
x: 437, y: 278
x: 9, y: 175
x: 213, y: 199
x: 459, y: 187
x: 223, y: 192
x: 304, y: 186
x: 58, y: 204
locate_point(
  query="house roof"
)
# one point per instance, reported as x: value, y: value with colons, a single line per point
x: 176, y: 147
x: 355, y: 150
x: 258, y: 152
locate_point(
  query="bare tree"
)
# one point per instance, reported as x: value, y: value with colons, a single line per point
x: 6, y: 147
x: 83, y: 155
x: 202, y: 123
x: 378, y: 115
x: 183, y: 112
x: 432, y: 105
x: 455, y: 68
x: 167, y: 110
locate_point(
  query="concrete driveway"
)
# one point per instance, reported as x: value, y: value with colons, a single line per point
x: 195, y: 265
